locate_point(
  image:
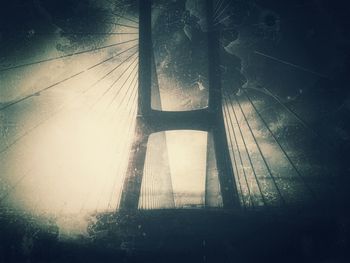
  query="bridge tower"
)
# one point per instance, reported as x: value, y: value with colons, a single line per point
x: 148, y: 120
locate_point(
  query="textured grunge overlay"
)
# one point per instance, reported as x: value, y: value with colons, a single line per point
x: 76, y: 146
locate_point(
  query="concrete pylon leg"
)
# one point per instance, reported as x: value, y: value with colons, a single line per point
x: 213, y: 196
x: 133, y: 178
x: 225, y: 171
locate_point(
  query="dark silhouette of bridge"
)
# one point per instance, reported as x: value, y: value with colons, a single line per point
x: 232, y: 130
x: 149, y: 120
x: 313, y: 231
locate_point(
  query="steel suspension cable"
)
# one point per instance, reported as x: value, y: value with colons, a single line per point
x: 280, y: 146
x: 261, y: 153
x: 85, y: 201
x: 14, y: 186
x: 240, y: 155
x: 65, y: 56
x: 218, y: 7
x: 127, y: 92
x: 131, y: 124
x: 64, y: 80
x: 126, y: 18
x: 130, y: 114
x: 248, y: 155
x: 121, y: 25
x: 114, y: 69
x: 132, y: 73
x: 233, y: 155
x: 128, y: 149
x: 293, y: 113
x: 26, y: 133
x: 114, y: 82
x: 222, y: 11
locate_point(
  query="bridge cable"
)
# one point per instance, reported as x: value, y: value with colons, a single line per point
x: 119, y: 125
x: 261, y: 153
x: 112, y: 70
x: 248, y: 155
x: 25, y: 175
x: 94, y: 33
x: 218, y: 7
x: 233, y: 155
x: 222, y: 11
x: 64, y: 80
x: 240, y: 156
x: 126, y: 149
x: 281, y: 147
x: 120, y: 24
x: 105, y: 185
x: 126, y: 18
x: 128, y: 130
x: 26, y: 133
x: 115, y: 81
x: 132, y: 73
x: 14, y: 186
x: 65, y: 56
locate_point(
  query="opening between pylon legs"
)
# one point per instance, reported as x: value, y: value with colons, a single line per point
x: 219, y: 153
